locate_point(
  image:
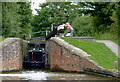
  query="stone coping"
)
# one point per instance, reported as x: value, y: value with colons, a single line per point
x: 8, y: 41
x: 82, y: 37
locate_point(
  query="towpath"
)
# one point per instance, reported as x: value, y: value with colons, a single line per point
x: 113, y: 46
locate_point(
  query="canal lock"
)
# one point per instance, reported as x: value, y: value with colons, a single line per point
x: 37, y: 74
x: 34, y: 57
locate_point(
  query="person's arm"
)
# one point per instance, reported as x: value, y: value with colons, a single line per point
x: 65, y: 25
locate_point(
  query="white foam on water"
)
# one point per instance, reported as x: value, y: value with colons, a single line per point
x: 39, y: 75
x: 29, y: 76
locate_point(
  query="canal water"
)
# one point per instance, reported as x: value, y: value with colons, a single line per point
x: 47, y: 75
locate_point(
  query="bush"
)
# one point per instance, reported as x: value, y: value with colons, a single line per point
x: 81, y: 25
x: 107, y: 36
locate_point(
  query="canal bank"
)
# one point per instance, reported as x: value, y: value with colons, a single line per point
x: 61, y: 56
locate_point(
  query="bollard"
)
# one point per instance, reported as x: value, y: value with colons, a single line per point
x: 116, y: 65
x: 24, y: 35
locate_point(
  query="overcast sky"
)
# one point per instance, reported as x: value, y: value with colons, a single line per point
x: 35, y: 5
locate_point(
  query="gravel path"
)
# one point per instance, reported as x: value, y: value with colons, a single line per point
x: 113, y: 46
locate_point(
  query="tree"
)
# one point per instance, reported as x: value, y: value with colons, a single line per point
x: 10, y: 20
x: 82, y: 26
x: 101, y: 13
x: 16, y: 19
x: 25, y: 13
x: 55, y: 13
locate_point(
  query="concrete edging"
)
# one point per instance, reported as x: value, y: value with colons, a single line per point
x: 102, y: 72
x: 6, y: 41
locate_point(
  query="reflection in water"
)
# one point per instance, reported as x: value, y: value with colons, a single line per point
x: 47, y: 75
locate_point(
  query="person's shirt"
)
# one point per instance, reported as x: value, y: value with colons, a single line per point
x: 69, y: 27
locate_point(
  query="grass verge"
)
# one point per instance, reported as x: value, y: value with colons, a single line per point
x: 108, y: 36
x: 98, y: 51
x: 1, y: 39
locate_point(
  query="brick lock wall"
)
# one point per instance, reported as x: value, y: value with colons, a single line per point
x: 12, y: 54
x: 63, y: 59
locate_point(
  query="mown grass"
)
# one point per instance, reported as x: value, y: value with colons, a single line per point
x: 118, y: 64
x: 98, y: 51
x: 1, y: 39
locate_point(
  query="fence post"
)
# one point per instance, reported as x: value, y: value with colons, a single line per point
x: 52, y: 28
x: 46, y: 32
x: 116, y: 65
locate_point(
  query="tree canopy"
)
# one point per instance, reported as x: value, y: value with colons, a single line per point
x: 87, y: 18
x: 103, y: 16
x: 16, y: 19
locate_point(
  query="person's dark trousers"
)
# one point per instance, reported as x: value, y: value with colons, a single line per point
x: 70, y: 31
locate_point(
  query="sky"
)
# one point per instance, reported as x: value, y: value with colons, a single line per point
x: 35, y: 5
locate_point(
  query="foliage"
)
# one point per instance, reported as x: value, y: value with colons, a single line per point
x: 98, y: 51
x: 81, y: 25
x: 1, y: 39
x: 115, y: 18
x: 55, y: 13
x: 25, y: 13
x: 10, y: 20
x: 16, y: 19
x: 103, y: 16
x: 94, y: 18
x: 108, y: 36
x: 113, y: 11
